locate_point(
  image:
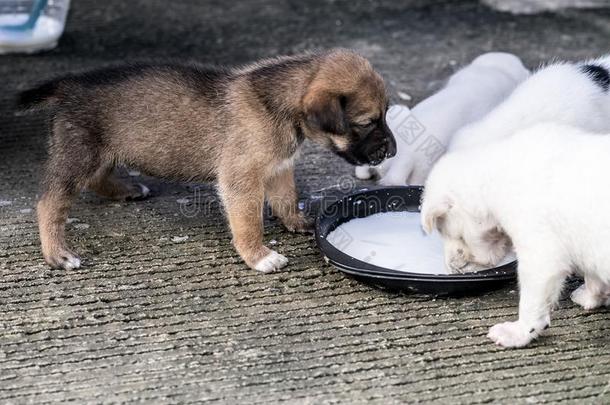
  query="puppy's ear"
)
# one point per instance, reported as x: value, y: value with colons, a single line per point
x: 434, y: 215
x: 325, y: 111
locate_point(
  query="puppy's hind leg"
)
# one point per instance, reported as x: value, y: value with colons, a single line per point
x: 540, y: 283
x: 52, y: 211
x: 106, y: 184
x: 70, y: 164
x: 592, y: 294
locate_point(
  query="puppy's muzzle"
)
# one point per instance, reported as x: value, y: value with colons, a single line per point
x: 379, y: 155
x: 391, y: 148
x: 373, y: 149
x: 386, y: 149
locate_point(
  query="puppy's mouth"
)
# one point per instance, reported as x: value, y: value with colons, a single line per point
x: 369, y: 154
x: 373, y: 159
x: 378, y: 156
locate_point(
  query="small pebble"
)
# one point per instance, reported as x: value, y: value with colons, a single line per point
x: 183, y: 201
x: 178, y: 239
x: 25, y: 211
x: 82, y: 226
x: 72, y: 220
x: 273, y: 242
x: 133, y: 173
x: 4, y: 203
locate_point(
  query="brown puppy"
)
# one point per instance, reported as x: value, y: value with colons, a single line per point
x: 241, y: 127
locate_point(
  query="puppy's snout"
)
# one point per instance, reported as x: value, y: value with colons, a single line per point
x: 391, y: 146
x: 378, y: 155
x: 389, y: 140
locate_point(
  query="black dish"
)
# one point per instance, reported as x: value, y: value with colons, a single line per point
x: 386, y: 199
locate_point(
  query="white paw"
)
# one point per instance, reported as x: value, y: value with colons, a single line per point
x: 273, y: 261
x: 67, y: 261
x: 510, y: 334
x: 71, y: 263
x: 583, y: 297
x: 363, y: 172
x: 465, y: 268
x: 144, y: 190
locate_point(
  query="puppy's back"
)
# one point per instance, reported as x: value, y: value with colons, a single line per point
x: 74, y: 87
x: 148, y: 115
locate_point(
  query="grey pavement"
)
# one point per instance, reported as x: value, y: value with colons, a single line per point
x: 156, y: 317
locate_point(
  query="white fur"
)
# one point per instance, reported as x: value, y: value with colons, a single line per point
x: 273, y: 261
x: 559, y: 93
x: 363, y: 172
x: 71, y: 263
x: 545, y: 188
x: 468, y: 95
x: 144, y: 190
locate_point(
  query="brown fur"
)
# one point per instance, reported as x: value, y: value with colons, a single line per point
x: 241, y: 127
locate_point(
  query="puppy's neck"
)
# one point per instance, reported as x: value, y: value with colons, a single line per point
x: 280, y: 84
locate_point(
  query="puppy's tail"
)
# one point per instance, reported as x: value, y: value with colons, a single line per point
x: 38, y: 97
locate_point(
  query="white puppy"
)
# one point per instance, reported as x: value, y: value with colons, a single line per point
x: 568, y: 93
x: 544, y: 189
x: 469, y: 94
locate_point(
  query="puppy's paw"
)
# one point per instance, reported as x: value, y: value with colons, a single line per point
x: 299, y: 224
x: 272, y: 262
x: 511, y: 334
x: 137, y: 192
x: 583, y: 297
x: 458, y: 265
x: 63, y: 259
x: 363, y: 172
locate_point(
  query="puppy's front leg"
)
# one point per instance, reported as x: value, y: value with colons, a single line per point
x: 283, y: 197
x: 399, y: 171
x: 540, y: 283
x: 244, y: 199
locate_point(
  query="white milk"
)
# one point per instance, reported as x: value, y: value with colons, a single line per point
x: 44, y: 35
x: 394, y: 240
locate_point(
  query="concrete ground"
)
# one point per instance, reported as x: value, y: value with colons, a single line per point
x: 156, y: 317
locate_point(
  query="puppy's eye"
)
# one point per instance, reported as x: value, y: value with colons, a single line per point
x: 366, y: 127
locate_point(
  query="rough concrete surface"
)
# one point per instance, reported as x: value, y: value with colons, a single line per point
x: 154, y: 317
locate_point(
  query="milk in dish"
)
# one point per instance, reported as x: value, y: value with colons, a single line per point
x: 393, y: 240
